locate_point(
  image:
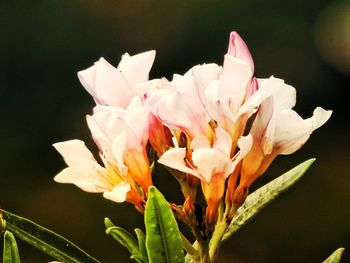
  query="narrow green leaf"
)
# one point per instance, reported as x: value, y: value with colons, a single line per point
x: 10, y: 253
x: 163, y: 240
x: 335, y: 257
x: 126, y: 240
x: 141, y: 238
x: 108, y: 222
x: 264, y: 195
x: 44, y: 239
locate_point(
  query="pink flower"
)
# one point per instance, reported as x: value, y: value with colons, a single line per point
x: 277, y: 129
x: 118, y: 86
x: 211, y: 163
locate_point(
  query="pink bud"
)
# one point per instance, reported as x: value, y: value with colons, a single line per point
x: 238, y: 49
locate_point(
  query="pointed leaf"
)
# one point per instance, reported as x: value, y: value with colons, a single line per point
x: 264, y: 195
x: 10, y: 253
x: 335, y: 257
x: 141, y: 238
x: 126, y: 240
x: 44, y: 239
x: 163, y: 240
x: 108, y: 222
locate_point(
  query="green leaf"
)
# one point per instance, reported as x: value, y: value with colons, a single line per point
x: 10, y: 253
x: 335, y: 257
x: 108, y: 222
x: 264, y: 195
x: 44, y: 239
x: 163, y: 240
x: 141, y: 238
x: 126, y: 240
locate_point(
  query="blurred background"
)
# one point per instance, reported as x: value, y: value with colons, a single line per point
x: 44, y: 43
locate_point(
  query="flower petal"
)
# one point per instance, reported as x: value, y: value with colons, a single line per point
x: 223, y: 141
x: 234, y: 81
x: 200, y: 142
x: 83, y: 170
x: 118, y: 193
x: 137, y: 67
x: 175, y: 158
x: 184, y: 112
x: 238, y: 48
x: 319, y: 117
x: 209, y: 162
x: 85, y: 180
x: 291, y: 132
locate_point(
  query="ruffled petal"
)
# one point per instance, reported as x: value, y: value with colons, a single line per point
x: 319, y: 117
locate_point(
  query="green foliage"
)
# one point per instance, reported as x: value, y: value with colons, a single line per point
x: 44, y: 239
x: 125, y: 239
x: 10, y: 253
x: 335, y: 257
x: 163, y: 240
x: 264, y: 195
x: 141, y: 238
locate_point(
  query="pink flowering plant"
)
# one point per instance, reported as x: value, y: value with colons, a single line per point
x: 216, y: 129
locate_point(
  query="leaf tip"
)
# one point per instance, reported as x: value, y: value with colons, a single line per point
x: 108, y: 222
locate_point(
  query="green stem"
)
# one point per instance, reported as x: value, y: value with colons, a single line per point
x: 203, y: 249
x: 189, y: 248
x: 215, y: 241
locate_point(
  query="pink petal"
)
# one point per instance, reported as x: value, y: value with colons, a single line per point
x: 136, y: 68
x: 209, y: 162
x: 175, y: 158
x: 223, y: 141
x: 238, y: 48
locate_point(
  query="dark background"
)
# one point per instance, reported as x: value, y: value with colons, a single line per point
x: 44, y: 43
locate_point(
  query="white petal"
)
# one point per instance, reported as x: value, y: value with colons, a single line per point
x: 218, y: 109
x: 86, y: 180
x: 183, y: 111
x: 111, y: 86
x: 118, y: 150
x: 291, y: 132
x: 118, y: 193
x: 267, y: 87
x: 87, y: 78
x: 83, y: 170
x: 209, y: 162
x: 137, y: 67
x: 284, y: 98
x: 76, y: 154
x: 186, y: 85
x: 234, y: 80
x: 206, y: 73
x: 175, y: 158
x: 200, y: 142
x: 320, y: 116
x: 138, y: 121
x: 245, y: 143
x: 223, y: 141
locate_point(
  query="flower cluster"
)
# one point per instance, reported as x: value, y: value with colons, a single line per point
x: 215, y: 128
